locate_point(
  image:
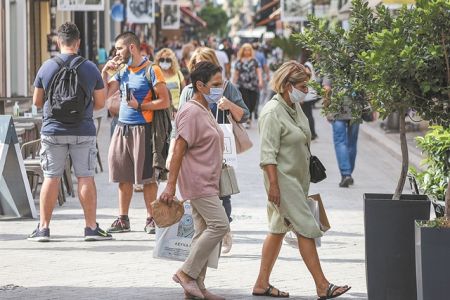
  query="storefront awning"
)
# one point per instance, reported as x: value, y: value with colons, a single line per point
x: 188, y: 12
x: 268, y: 5
x: 273, y: 17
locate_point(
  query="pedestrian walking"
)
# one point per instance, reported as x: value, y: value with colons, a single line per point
x: 345, y: 137
x: 186, y: 53
x: 231, y: 103
x: 68, y: 128
x: 131, y: 156
x: 262, y: 60
x: 308, y: 104
x: 285, y: 141
x: 168, y: 63
x: 102, y: 56
x: 197, y: 158
x: 248, y: 76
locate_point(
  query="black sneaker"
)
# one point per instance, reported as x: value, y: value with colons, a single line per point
x: 119, y: 225
x: 97, y: 234
x: 351, y: 182
x: 345, y: 181
x: 150, y: 226
x: 40, y: 235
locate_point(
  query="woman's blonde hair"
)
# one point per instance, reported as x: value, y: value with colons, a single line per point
x: 203, y: 54
x: 245, y: 46
x: 290, y: 72
x: 175, y: 67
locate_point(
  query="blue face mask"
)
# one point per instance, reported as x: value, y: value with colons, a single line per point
x: 214, y: 95
x: 130, y: 60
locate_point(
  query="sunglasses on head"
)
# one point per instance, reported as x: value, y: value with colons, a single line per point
x: 169, y: 60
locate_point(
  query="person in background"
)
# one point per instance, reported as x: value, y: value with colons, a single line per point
x: 227, y: 48
x: 345, y: 137
x: 222, y: 57
x: 285, y: 140
x: 231, y: 103
x: 197, y: 158
x: 168, y: 63
x: 102, y: 56
x: 248, y: 76
x: 261, y: 58
x: 310, y: 99
x: 186, y: 54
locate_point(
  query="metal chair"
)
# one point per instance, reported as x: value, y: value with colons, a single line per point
x: 30, y: 153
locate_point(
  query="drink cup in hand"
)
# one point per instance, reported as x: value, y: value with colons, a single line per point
x: 114, y: 65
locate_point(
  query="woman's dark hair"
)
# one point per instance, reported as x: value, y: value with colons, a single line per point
x: 68, y: 34
x: 203, y: 71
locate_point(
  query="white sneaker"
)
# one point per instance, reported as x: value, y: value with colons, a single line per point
x: 227, y: 243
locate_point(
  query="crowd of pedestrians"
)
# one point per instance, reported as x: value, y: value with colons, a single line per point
x: 166, y: 107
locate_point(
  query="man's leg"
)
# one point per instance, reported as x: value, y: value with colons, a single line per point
x: 342, y: 154
x: 352, y: 143
x: 47, y: 200
x: 87, y: 193
x: 125, y: 194
x: 150, y: 194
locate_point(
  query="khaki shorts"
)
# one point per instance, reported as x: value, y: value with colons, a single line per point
x: 130, y: 154
x: 54, y: 151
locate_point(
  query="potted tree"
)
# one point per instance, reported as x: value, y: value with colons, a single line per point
x: 433, y: 237
x: 398, y: 65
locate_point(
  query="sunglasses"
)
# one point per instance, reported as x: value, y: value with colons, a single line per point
x: 169, y: 60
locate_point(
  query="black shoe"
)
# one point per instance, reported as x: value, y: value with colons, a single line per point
x: 97, y: 234
x: 351, y: 181
x: 313, y: 137
x: 40, y: 235
x: 345, y: 181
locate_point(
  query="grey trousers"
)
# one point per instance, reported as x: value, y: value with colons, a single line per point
x: 211, y: 224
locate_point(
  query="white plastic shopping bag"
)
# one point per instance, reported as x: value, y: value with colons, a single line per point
x: 174, y: 242
x: 229, y: 153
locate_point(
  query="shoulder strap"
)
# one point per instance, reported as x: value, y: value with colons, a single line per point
x: 77, y: 61
x: 149, y: 79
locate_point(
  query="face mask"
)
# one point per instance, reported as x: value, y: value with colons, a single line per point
x: 296, y: 96
x: 165, y: 65
x: 214, y: 95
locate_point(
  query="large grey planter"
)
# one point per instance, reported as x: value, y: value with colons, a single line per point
x: 389, y: 236
x: 432, y: 262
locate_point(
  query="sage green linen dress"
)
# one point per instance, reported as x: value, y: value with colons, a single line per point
x: 285, y: 137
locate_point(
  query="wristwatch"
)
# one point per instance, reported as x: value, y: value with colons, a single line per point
x: 139, y: 108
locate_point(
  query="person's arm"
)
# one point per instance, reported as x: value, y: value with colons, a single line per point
x: 228, y: 70
x: 274, y: 190
x: 270, y: 136
x: 99, y: 98
x: 236, y: 105
x: 236, y: 112
x: 175, y: 165
x: 267, y: 71
x: 260, y: 80
x: 113, y: 85
x: 38, y: 97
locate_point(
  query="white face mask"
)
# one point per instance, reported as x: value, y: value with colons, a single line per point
x: 165, y: 65
x: 296, y: 95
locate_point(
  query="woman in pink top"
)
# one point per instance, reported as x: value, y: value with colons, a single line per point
x: 199, y: 139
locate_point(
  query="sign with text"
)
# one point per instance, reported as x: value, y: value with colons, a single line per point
x: 170, y: 18
x: 140, y: 11
x: 81, y: 5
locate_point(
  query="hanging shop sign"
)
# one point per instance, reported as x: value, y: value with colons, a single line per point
x: 295, y: 10
x: 81, y: 5
x: 170, y: 15
x: 140, y: 11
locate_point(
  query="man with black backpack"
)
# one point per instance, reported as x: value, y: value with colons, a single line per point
x: 68, y: 87
x: 139, y: 144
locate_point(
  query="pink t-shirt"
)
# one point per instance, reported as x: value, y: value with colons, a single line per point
x: 202, y: 162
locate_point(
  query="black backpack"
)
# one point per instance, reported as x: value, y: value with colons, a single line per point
x: 67, y: 96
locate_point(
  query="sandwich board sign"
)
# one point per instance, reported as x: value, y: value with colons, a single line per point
x: 15, y: 193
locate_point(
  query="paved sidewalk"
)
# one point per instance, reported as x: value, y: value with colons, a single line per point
x: 69, y: 268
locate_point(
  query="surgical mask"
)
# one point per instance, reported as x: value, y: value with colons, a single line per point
x: 214, y: 95
x: 165, y: 65
x: 296, y: 95
x: 130, y: 60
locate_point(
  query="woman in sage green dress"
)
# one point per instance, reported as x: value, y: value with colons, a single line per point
x: 285, y: 139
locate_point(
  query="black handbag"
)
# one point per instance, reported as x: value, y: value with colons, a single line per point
x: 316, y: 169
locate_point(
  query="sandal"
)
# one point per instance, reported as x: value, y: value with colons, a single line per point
x: 268, y: 293
x: 331, y: 289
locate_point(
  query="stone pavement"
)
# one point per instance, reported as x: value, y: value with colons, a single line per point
x: 69, y: 268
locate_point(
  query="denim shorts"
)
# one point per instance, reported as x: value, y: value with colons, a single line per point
x: 54, y: 151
